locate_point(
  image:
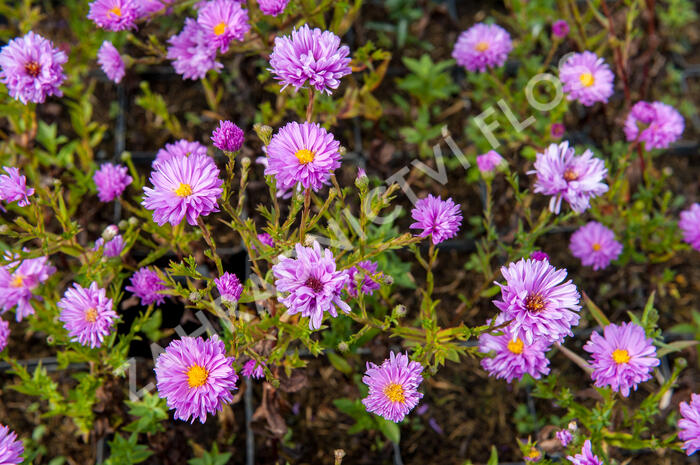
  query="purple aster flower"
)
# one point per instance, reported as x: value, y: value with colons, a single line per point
x: 533, y: 455
x: 557, y: 130
x: 196, y: 377
x: 114, y: 15
x: 11, y: 449
x: 302, y: 153
x: 512, y: 357
x: 482, y: 46
x: 537, y: 301
x: 111, y: 180
x: 587, y: 78
x: 393, y: 387
x: 4, y: 334
x: 13, y: 187
x: 192, y: 53
x: 564, y: 175
x: 253, y: 369
x: 266, y: 239
x: 18, y: 280
x: 689, y: 425
x: 229, y: 286
x: 595, y: 245
x: 112, y: 248
x: 223, y: 21
x: 368, y: 284
x: 149, y: 7
x: 439, y: 219
x: 586, y: 457
x: 310, y: 54
x: 87, y: 314
x: 183, y: 187
x: 182, y: 147
x: 564, y: 436
x: 690, y: 225
x: 146, y: 284
x: 313, y: 283
x: 656, y: 124
x: 489, y: 161
x: 111, y: 62
x: 272, y: 7
x: 622, y: 358
x: 539, y: 256
x: 560, y: 29
x: 32, y: 68
x: 227, y: 137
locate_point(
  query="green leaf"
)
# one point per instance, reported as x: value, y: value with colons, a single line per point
x: 493, y: 459
x: 390, y: 429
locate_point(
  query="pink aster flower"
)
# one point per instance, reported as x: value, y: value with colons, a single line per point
x: 223, y: 21
x: 656, y: 124
x: 182, y: 147
x: 622, y: 358
x: 113, y: 247
x: 229, y: 286
x: 32, y: 68
x: 539, y: 303
x: 368, y: 284
x: 482, y: 46
x: 87, y: 314
x: 111, y: 180
x: 272, y: 7
x: 227, y: 137
x: 302, y: 153
x: 538, y: 255
x: 511, y: 357
x: 114, y: 15
x: 393, y: 387
x: 146, y: 284
x: 4, y: 334
x: 564, y: 175
x: 183, y: 187
x: 595, y: 245
x: 489, y: 161
x: 13, y: 187
x: 11, y: 449
x: 18, y: 280
x: 557, y: 130
x: 111, y: 62
x: 253, y: 369
x: 564, y: 436
x: 310, y: 55
x: 266, y: 239
x: 196, y: 377
x: 586, y: 457
x: 560, y: 29
x: 439, y: 219
x: 689, y: 425
x: 690, y: 225
x: 313, y: 283
x: 587, y: 78
x: 192, y: 53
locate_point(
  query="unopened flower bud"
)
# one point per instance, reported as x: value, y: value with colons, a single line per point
x: 343, y: 346
x: 133, y: 221
x: 126, y: 156
x: 342, y: 151
x: 123, y: 224
x: 387, y: 280
x: 195, y: 296
x: 400, y: 310
x: 245, y: 162
x: 264, y: 132
x: 4, y: 229
x: 109, y: 232
x: 361, y: 181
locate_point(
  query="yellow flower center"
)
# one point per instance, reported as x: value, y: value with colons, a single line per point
x: 17, y: 281
x: 305, y: 156
x: 395, y: 393
x: 516, y: 346
x: 620, y: 356
x: 116, y: 11
x: 482, y: 46
x: 534, y: 303
x: 533, y: 454
x: 91, y: 315
x: 220, y: 29
x: 587, y: 79
x: 570, y: 175
x: 596, y: 247
x: 183, y: 190
x: 197, y: 376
